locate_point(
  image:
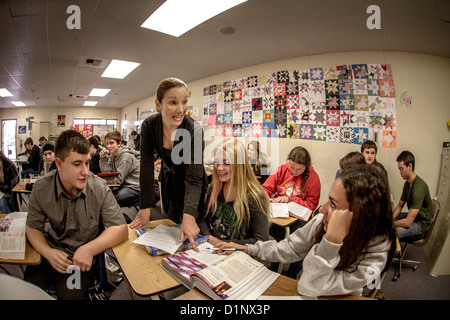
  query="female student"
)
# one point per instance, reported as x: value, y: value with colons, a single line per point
x: 349, y: 160
x: 344, y: 246
x: 123, y: 161
x: 258, y: 160
x: 295, y: 181
x: 178, y: 140
x: 237, y: 206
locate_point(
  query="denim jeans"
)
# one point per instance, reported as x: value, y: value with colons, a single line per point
x: 411, y: 234
x: 126, y: 196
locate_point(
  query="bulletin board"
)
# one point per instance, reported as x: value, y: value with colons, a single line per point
x: 342, y: 104
x: 102, y: 130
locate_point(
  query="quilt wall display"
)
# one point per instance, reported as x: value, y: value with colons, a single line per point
x: 342, y: 104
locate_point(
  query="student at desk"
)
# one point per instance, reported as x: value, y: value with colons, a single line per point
x: 8, y: 172
x: 76, y: 204
x: 178, y: 140
x: 34, y: 158
x: 295, y: 181
x: 349, y: 242
x: 237, y: 206
x: 48, y: 154
x: 121, y: 160
x: 258, y: 160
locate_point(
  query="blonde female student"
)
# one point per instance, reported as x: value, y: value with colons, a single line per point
x: 346, y: 243
x: 237, y: 208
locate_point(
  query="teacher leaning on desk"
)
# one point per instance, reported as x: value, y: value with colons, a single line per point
x: 178, y: 140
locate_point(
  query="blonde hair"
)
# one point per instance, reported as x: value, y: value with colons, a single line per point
x: 243, y: 181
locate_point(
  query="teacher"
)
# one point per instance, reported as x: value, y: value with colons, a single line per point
x: 178, y: 140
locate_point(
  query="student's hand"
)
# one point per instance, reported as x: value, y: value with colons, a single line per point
x: 338, y: 225
x: 229, y: 245
x: 103, y: 153
x: 141, y: 219
x: 214, y: 241
x: 83, y: 258
x: 58, y: 259
x: 189, y: 229
x: 282, y: 199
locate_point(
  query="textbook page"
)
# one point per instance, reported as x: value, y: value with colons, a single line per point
x: 279, y: 210
x: 299, y: 211
x: 162, y: 237
x: 12, y: 236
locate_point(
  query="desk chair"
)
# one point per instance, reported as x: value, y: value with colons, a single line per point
x: 435, y: 208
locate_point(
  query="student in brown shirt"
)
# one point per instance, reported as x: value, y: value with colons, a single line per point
x: 77, y: 204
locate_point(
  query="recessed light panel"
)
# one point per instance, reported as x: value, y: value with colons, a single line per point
x: 99, y: 92
x: 119, y: 69
x: 175, y: 17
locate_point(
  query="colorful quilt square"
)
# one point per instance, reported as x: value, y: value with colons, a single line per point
x: 293, y: 131
x: 280, y: 117
x: 252, y: 81
x: 293, y: 116
x: 213, y: 108
x: 347, y: 135
x: 360, y: 86
x: 333, y: 134
x: 344, y: 72
x: 269, y: 116
x: 257, y: 104
x: 237, y: 117
x: 361, y: 102
x: 237, y: 94
x: 360, y: 135
x: 292, y: 101
x: 257, y: 116
x: 345, y: 87
x: 280, y: 130
x: 389, y: 139
x: 247, y: 130
x: 376, y: 104
x: 246, y: 117
x: 333, y: 118
x: 279, y: 89
x: 319, y: 133
x: 316, y: 74
x: 268, y: 102
x: 331, y: 88
x: 387, y: 71
x: 359, y: 119
x: 280, y: 103
x: 237, y: 130
x: 220, y: 131
x: 283, y: 76
x: 228, y: 96
x: 360, y: 71
x: 268, y: 130
x: 318, y: 88
x: 304, y: 75
x: 345, y: 118
x: 386, y: 88
x: 306, y: 131
x: 375, y: 120
x: 375, y: 71
x: 319, y: 116
x: 228, y: 128
x: 347, y: 103
x: 304, y: 88
x: 292, y: 88
x: 227, y: 118
x: 373, y: 88
x: 330, y: 74
x: 333, y: 103
x: 257, y: 130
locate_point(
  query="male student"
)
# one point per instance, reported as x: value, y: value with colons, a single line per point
x: 116, y: 158
x: 34, y: 158
x: 369, y: 150
x: 414, y: 224
x: 94, y: 152
x: 77, y: 205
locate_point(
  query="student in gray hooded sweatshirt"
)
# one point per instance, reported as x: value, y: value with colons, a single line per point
x: 347, y: 245
x: 115, y: 158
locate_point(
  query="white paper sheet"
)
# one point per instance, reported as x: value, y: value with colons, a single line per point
x: 162, y: 237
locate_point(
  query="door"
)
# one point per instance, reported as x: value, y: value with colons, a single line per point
x: 9, y: 138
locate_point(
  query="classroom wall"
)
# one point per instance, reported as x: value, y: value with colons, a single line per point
x: 420, y: 130
x: 47, y: 114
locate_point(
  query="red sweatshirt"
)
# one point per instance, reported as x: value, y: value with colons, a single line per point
x: 283, y: 183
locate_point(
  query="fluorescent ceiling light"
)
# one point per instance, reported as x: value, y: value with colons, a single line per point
x: 175, y: 17
x: 18, y: 103
x: 5, y: 93
x: 119, y: 69
x: 99, y: 92
x: 90, y: 103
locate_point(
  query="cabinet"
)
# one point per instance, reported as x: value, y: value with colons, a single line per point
x: 437, y: 251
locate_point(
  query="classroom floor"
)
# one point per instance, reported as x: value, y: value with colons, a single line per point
x: 412, y: 285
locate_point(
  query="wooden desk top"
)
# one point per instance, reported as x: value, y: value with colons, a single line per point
x: 283, y: 286
x: 142, y: 270
x: 17, y: 187
x: 32, y: 257
x: 284, y: 222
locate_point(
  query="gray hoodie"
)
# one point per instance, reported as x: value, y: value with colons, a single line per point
x: 319, y: 277
x: 127, y: 166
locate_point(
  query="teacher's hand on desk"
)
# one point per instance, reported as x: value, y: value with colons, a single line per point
x: 141, y: 219
x: 189, y: 229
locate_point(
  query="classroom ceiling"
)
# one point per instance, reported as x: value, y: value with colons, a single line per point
x: 43, y: 63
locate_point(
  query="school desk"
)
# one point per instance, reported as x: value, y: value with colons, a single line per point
x: 283, y: 286
x: 32, y: 257
x: 18, y: 190
x: 143, y: 271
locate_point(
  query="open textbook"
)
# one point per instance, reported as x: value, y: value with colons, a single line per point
x: 164, y: 239
x: 282, y: 210
x: 234, y: 277
x: 12, y: 236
